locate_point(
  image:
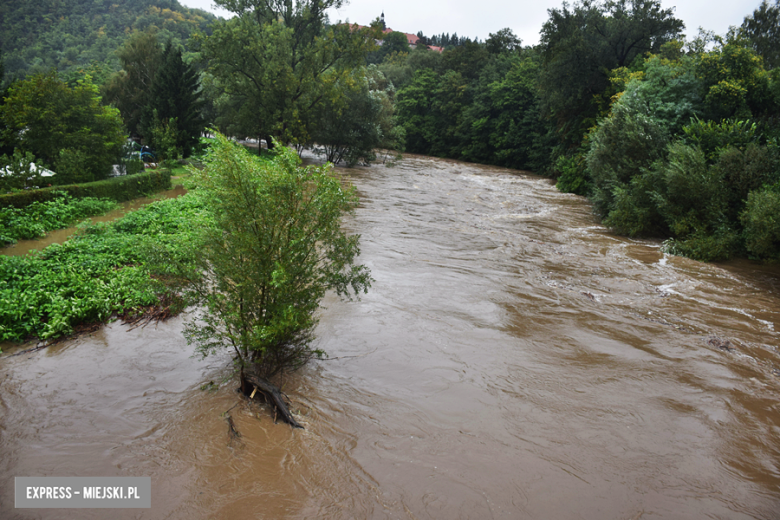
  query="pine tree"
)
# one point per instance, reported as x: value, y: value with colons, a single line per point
x: 175, y: 102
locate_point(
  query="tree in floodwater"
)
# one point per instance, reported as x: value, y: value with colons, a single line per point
x: 264, y: 258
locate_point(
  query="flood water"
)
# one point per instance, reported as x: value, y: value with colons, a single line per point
x: 513, y: 360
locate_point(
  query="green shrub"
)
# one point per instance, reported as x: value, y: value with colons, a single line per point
x: 634, y: 211
x: 744, y: 171
x: 119, y: 189
x: 573, y: 175
x: 70, y: 167
x: 721, y: 245
x: 623, y: 144
x: 761, y: 223
x: 713, y: 137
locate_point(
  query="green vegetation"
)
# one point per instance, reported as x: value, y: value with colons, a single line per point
x: 118, y: 189
x: 35, y: 220
x: 76, y: 37
x: 278, y: 63
x: 669, y: 138
x: 98, y: 273
x: 172, y: 116
x: 271, y: 247
x: 67, y: 129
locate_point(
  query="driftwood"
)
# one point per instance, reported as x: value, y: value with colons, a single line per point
x: 272, y: 396
x: 233, y: 432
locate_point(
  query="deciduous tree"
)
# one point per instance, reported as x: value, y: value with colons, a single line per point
x: 57, y: 123
x: 281, y: 60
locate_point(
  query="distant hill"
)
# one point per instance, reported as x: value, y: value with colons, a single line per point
x: 75, y: 35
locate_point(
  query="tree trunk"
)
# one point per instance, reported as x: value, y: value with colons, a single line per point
x: 272, y: 394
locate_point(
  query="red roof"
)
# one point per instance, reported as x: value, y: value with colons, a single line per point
x: 413, y: 39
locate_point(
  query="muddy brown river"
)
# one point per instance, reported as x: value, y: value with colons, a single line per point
x: 513, y: 360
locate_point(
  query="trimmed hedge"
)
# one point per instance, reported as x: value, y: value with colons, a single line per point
x: 120, y: 189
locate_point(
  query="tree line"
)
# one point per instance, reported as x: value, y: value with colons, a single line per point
x: 669, y: 136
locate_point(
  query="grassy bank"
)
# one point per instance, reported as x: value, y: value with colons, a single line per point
x: 35, y: 220
x: 99, y: 272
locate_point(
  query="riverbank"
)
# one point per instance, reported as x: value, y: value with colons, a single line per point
x: 99, y: 272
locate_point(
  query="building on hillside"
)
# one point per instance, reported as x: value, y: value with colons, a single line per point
x: 413, y: 39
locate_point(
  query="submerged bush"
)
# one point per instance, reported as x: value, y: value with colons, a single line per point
x: 573, y: 175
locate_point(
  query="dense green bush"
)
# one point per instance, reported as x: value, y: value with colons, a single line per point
x: 119, y: 189
x: 761, y: 221
x: 713, y: 136
x: 573, y: 175
x: 691, y: 196
x: 623, y: 144
x: 744, y: 171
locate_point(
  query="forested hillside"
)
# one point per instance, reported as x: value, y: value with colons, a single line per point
x: 70, y: 35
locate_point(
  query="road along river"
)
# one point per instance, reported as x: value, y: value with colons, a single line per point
x: 513, y: 360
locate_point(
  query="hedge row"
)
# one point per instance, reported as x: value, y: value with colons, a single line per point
x: 119, y: 189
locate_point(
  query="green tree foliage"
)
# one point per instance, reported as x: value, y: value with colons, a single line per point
x: 130, y: 89
x: 69, y: 35
x: 762, y: 28
x: 59, y: 124
x: 735, y: 82
x: 279, y: 61
x: 503, y: 41
x: 272, y: 247
x: 393, y: 42
x: 624, y: 143
x: 668, y: 89
x: 174, y: 103
x: 762, y: 225
x: 494, y: 117
x: 582, y: 43
x: 400, y: 68
x: 360, y: 121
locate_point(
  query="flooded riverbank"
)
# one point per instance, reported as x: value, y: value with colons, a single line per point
x: 513, y: 360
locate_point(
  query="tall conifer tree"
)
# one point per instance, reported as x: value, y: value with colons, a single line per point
x: 175, y: 95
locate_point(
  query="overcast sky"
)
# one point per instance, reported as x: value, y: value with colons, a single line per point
x: 479, y: 18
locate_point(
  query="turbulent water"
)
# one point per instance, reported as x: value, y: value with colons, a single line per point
x: 513, y: 360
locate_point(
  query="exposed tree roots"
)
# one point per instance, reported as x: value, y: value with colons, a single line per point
x: 272, y: 395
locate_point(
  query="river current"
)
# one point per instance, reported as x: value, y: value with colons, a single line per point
x: 513, y: 359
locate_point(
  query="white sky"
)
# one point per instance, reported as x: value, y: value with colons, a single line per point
x: 525, y: 17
